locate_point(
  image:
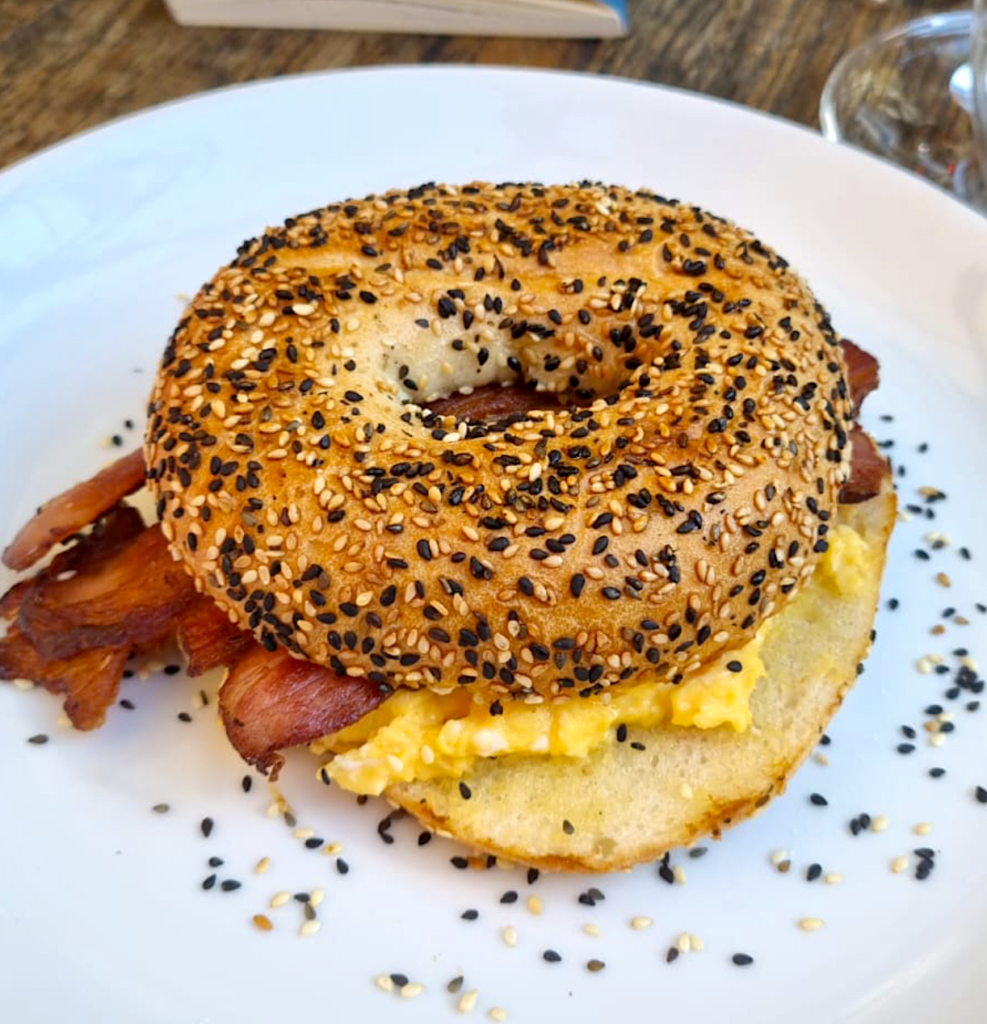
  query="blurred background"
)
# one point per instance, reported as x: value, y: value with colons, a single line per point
x: 69, y: 64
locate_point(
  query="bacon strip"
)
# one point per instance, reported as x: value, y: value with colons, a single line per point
x: 493, y: 402
x: 863, y: 372
x: 90, y: 680
x: 208, y: 638
x: 867, y: 469
x: 271, y: 700
x: 75, y: 508
x: 124, y: 594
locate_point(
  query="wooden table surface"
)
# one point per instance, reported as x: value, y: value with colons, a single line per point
x: 66, y: 65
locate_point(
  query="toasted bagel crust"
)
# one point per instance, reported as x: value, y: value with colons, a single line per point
x: 680, y: 498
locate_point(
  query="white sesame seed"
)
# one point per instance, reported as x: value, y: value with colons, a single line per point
x: 683, y: 943
x: 279, y: 899
x: 310, y: 927
x: 509, y: 935
x: 686, y: 790
x: 498, y: 1013
x: 697, y: 944
x: 412, y: 990
x: 821, y: 759
x: 811, y: 924
x: 384, y: 983
x: 778, y: 856
x: 592, y: 930
x: 640, y: 922
x: 316, y: 896
x: 304, y: 833
x: 535, y: 905
x: 879, y: 823
x: 467, y: 1001
x: 899, y: 864
x: 923, y: 828
x: 937, y: 740
x: 264, y: 864
x: 303, y: 308
x: 832, y: 878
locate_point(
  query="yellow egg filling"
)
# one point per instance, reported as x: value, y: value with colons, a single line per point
x: 421, y: 734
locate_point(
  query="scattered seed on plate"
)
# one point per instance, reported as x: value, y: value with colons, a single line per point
x: 811, y: 924
x: 412, y: 990
x: 550, y: 956
x: 640, y: 922
x: 206, y: 826
x: 384, y: 983
x: 980, y: 794
x: 230, y: 885
x: 923, y: 828
x: 509, y: 935
x: 467, y: 1001
x: 592, y: 930
x: 279, y: 899
x: 880, y: 823
x: 264, y: 864
x: 899, y: 864
x: 833, y: 878
x: 161, y: 808
x: 499, y: 1014
x: 38, y: 739
x: 535, y: 905
x: 742, y: 959
x: 263, y: 922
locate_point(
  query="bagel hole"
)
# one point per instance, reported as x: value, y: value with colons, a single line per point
x: 493, y: 407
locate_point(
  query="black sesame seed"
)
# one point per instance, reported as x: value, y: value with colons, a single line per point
x: 905, y: 748
x: 246, y: 783
x: 742, y: 959
x: 206, y: 825
x: 818, y: 800
x: 215, y: 862
x: 459, y: 862
x: 464, y: 791
x: 470, y: 915
x: 208, y: 883
x: 813, y: 872
x: 509, y: 897
x: 230, y: 885
x: 400, y: 980
x: 38, y: 739
x: 672, y: 955
x: 980, y: 793
x: 342, y: 866
x: 937, y: 773
x: 550, y: 956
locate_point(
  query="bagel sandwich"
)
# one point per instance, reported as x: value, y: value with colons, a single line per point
x: 542, y: 511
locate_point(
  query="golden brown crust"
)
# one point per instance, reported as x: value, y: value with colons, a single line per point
x: 648, y: 527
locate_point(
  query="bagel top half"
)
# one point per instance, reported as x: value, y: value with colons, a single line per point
x: 675, y: 490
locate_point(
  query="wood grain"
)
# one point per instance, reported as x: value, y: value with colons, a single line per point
x: 67, y: 65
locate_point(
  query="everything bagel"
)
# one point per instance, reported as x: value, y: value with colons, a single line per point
x: 668, y: 484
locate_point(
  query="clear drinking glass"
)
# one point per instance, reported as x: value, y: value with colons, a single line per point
x: 917, y: 95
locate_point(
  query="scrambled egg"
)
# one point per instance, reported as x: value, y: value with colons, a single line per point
x: 417, y: 735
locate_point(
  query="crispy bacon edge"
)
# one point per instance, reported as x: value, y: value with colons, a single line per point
x: 117, y: 590
x: 73, y: 510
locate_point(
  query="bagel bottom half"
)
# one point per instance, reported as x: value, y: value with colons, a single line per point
x: 621, y: 805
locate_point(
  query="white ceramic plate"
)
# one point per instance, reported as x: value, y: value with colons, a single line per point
x: 102, y: 917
